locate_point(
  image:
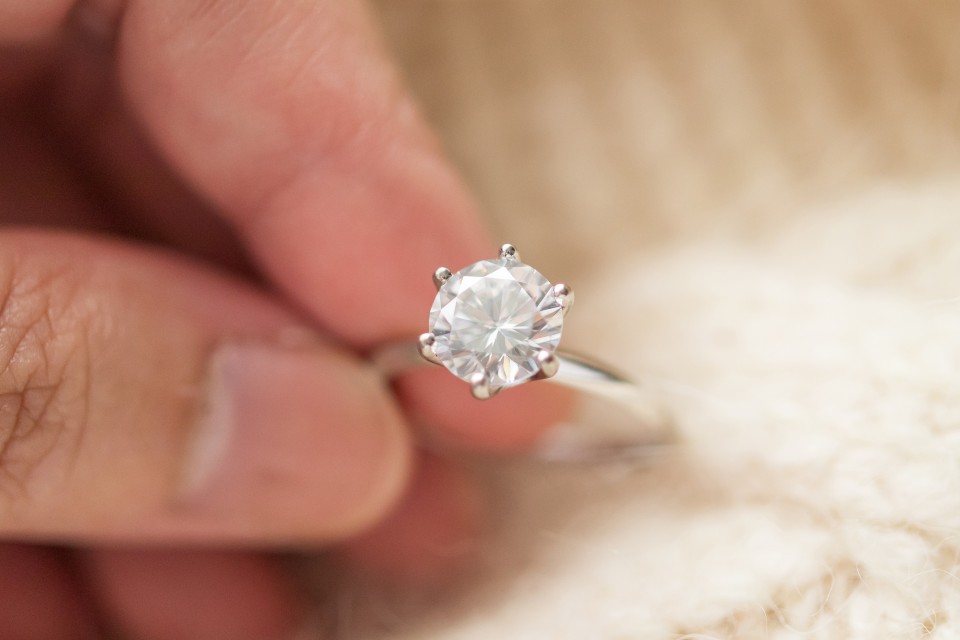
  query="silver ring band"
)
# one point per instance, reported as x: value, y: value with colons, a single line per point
x: 617, y: 418
x: 497, y: 324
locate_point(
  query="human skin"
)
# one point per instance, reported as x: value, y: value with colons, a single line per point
x: 212, y: 210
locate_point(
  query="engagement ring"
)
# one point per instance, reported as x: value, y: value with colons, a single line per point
x: 497, y: 324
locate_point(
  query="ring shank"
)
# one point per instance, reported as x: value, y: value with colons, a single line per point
x: 617, y: 418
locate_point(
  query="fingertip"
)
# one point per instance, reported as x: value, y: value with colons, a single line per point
x: 303, y: 147
x: 297, y: 445
x: 189, y: 386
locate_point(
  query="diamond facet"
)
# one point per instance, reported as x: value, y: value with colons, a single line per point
x: 494, y: 317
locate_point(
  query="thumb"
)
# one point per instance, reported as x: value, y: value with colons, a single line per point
x: 144, y: 398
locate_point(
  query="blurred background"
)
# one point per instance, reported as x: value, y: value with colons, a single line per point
x: 572, y: 118
x: 759, y: 205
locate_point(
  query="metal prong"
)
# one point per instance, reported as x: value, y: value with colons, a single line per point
x: 549, y: 365
x: 440, y: 276
x: 508, y: 251
x: 426, y: 342
x: 480, y: 387
x: 564, y: 296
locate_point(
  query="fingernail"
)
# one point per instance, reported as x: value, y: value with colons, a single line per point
x: 295, y: 442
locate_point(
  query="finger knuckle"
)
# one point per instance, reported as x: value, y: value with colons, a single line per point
x: 44, y: 371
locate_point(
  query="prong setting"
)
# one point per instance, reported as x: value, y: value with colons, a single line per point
x: 509, y: 252
x: 441, y: 275
x: 564, y: 296
x: 549, y: 365
x: 474, y: 304
x: 480, y: 387
x: 426, y: 342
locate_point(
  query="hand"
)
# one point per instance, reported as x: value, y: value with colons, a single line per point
x: 238, y: 199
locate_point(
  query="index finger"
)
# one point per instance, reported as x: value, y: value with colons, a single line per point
x: 289, y: 116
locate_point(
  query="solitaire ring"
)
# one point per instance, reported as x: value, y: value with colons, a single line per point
x: 497, y: 324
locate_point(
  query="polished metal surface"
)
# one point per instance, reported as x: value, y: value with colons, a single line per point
x: 632, y: 428
x: 618, y: 418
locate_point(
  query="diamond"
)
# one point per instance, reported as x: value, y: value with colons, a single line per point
x: 494, y: 317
